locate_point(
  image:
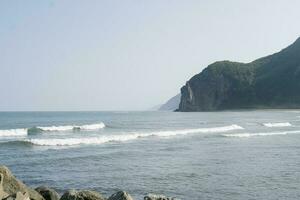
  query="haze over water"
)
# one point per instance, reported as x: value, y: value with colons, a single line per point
x: 215, y: 155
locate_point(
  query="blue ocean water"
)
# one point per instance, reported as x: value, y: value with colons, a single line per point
x: 209, y: 155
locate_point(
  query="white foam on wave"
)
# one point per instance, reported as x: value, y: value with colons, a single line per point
x: 293, y: 111
x: 56, y: 128
x: 13, y: 132
x: 280, y: 124
x: 72, y: 127
x: 242, y: 135
x: 91, y: 126
x: 198, y: 130
x: 78, y: 141
x: 24, y: 131
x: 126, y: 137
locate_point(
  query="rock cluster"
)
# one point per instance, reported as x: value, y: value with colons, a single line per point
x: 121, y: 195
x: 158, y: 197
x: 13, y: 189
x: 48, y: 193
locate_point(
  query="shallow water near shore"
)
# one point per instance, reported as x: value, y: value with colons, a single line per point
x: 213, y: 155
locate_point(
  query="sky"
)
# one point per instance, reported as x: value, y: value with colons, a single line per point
x: 127, y: 54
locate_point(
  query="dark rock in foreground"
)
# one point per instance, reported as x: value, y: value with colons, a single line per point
x: 12, y: 186
x: 81, y: 195
x: 48, y: 193
x: 13, y: 189
x: 18, y: 196
x: 121, y: 195
x: 269, y: 82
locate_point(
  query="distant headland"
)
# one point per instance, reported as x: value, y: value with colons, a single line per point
x: 270, y: 82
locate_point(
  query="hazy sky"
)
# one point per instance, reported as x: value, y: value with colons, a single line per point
x: 127, y: 54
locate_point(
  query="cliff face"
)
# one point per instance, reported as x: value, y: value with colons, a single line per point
x: 269, y: 82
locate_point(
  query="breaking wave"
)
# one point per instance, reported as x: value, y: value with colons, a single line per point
x: 78, y: 141
x: 72, y: 127
x: 242, y: 135
x: 280, y: 124
x: 199, y: 130
x: 13, y: 132
x: 127, y: 137
x: 39, y: 129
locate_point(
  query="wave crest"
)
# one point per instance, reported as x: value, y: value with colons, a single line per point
x: 13, y: 132
x: 242, y: 135
x: 39, y: 129
x: 127, y: 137
x: 72, y: 127
x: 280, y: 124
x: 78, y: 141
x: 91, y: 126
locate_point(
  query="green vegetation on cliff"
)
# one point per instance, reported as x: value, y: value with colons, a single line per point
x: 269, y: 82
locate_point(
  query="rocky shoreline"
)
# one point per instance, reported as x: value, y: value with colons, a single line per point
x: 13, y: 189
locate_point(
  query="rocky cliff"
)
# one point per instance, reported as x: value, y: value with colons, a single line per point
x: 269, y: 82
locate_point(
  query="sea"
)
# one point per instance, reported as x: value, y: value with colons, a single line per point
x: 226, y: 155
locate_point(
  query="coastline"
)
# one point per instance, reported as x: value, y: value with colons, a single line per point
x: 13, y: 189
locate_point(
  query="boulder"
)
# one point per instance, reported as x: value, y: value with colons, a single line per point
x: 121, y: 195
x: 158, y: 197
x: 3, y: 194
x: 11, y: 185
x: 48, y: 193
x: 18, y: 196
x: 81, y: 195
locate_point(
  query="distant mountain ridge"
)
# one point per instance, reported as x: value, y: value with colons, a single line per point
x: 172, y: 104
x: 269, y: 82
